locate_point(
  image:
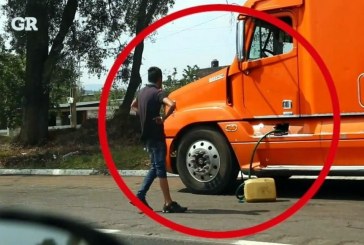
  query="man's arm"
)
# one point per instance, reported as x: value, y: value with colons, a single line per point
x: 134, y: 107
x: 172, y: 106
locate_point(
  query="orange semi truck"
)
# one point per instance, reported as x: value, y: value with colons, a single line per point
x: 274, y: 82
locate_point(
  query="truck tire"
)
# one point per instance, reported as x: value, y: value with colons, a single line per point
x: 205, y: 162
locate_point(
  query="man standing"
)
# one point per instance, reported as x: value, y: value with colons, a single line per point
x: 148, y: 105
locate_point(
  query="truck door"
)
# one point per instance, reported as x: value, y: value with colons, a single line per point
x: 270, y: 73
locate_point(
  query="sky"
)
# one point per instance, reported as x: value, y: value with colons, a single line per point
x: 193, y: 40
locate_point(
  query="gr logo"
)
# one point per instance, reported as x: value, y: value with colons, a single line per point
x: 27, y: 24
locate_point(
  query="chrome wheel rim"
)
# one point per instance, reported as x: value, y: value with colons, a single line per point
x: 203, y: 161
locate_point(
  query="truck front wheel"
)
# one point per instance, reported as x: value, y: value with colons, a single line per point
x: 205, y: 163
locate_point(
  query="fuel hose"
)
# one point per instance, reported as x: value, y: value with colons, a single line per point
x: 239, y: 193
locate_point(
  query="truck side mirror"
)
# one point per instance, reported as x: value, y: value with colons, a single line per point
x: 240, y: 39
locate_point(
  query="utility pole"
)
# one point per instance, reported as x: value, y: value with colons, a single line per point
x: 73, y: 109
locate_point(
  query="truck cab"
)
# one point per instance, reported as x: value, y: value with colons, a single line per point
x: 273, y: 82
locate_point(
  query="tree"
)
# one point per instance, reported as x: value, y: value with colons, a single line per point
x: 12, y: 81
x: 12, y: 75
x: 189, y: 74
x: 71, y: 31
x: 139, y: 15
x: 65, y: 76
x: 171, y: 83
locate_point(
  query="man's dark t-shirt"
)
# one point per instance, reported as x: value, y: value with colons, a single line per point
x: 150, y: 100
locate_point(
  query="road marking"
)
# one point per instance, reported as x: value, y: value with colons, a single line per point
x: 244, y: 242
x: 108, y: 231
x: 74, y: 172
x: 239, y: 242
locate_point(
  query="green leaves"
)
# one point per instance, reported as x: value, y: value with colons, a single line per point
x: 71, y: 32
x: 189, y: 75
x: 12, y: 75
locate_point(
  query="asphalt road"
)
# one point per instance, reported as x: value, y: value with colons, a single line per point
x: 334, y: 216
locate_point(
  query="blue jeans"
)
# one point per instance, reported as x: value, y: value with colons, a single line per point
x: 157, y: 152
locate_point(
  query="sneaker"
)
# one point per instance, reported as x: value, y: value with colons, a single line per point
x: 143, y: 201
x: 174, y: 207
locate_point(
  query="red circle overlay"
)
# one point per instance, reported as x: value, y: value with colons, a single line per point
x: 206, y: 233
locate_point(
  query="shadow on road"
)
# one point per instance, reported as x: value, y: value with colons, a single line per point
x: 335, y: 189
x: 225, y: 211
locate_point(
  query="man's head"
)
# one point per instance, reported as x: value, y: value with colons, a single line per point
x: 155, y: 76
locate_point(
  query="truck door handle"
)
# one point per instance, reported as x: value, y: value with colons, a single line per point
x: 359, y: 90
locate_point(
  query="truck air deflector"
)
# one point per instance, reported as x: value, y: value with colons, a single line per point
x: 263, y: 5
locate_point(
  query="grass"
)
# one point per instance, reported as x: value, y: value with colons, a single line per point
x: 6, y: 150
x: 5, y: 139
x: 124, y: 157
x: 77, y: 149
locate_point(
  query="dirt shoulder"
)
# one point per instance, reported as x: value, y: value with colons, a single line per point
x: 73, y: 148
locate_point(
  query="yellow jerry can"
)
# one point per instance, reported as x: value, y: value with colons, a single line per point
x: 260, y: 190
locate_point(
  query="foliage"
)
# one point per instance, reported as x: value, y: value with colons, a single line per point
x: 95, y: 33
x: 115, y: 94
x: 139, y: 14
x: 71, y: 32
x: 11, y: 87
x: 189, y: 75
x: 12, y: 82
x: 171, y: 83
x: 65, y: 76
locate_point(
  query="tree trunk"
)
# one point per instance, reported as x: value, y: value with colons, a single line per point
x: 36, y: 95
x: 39, y: 68
x: 74, y: 107
x: 144, y: 18
x: 135, y: 81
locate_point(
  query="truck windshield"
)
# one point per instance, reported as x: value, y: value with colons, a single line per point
x: 269, y: 40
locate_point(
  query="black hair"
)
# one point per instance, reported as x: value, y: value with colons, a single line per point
x: 154, y: 74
